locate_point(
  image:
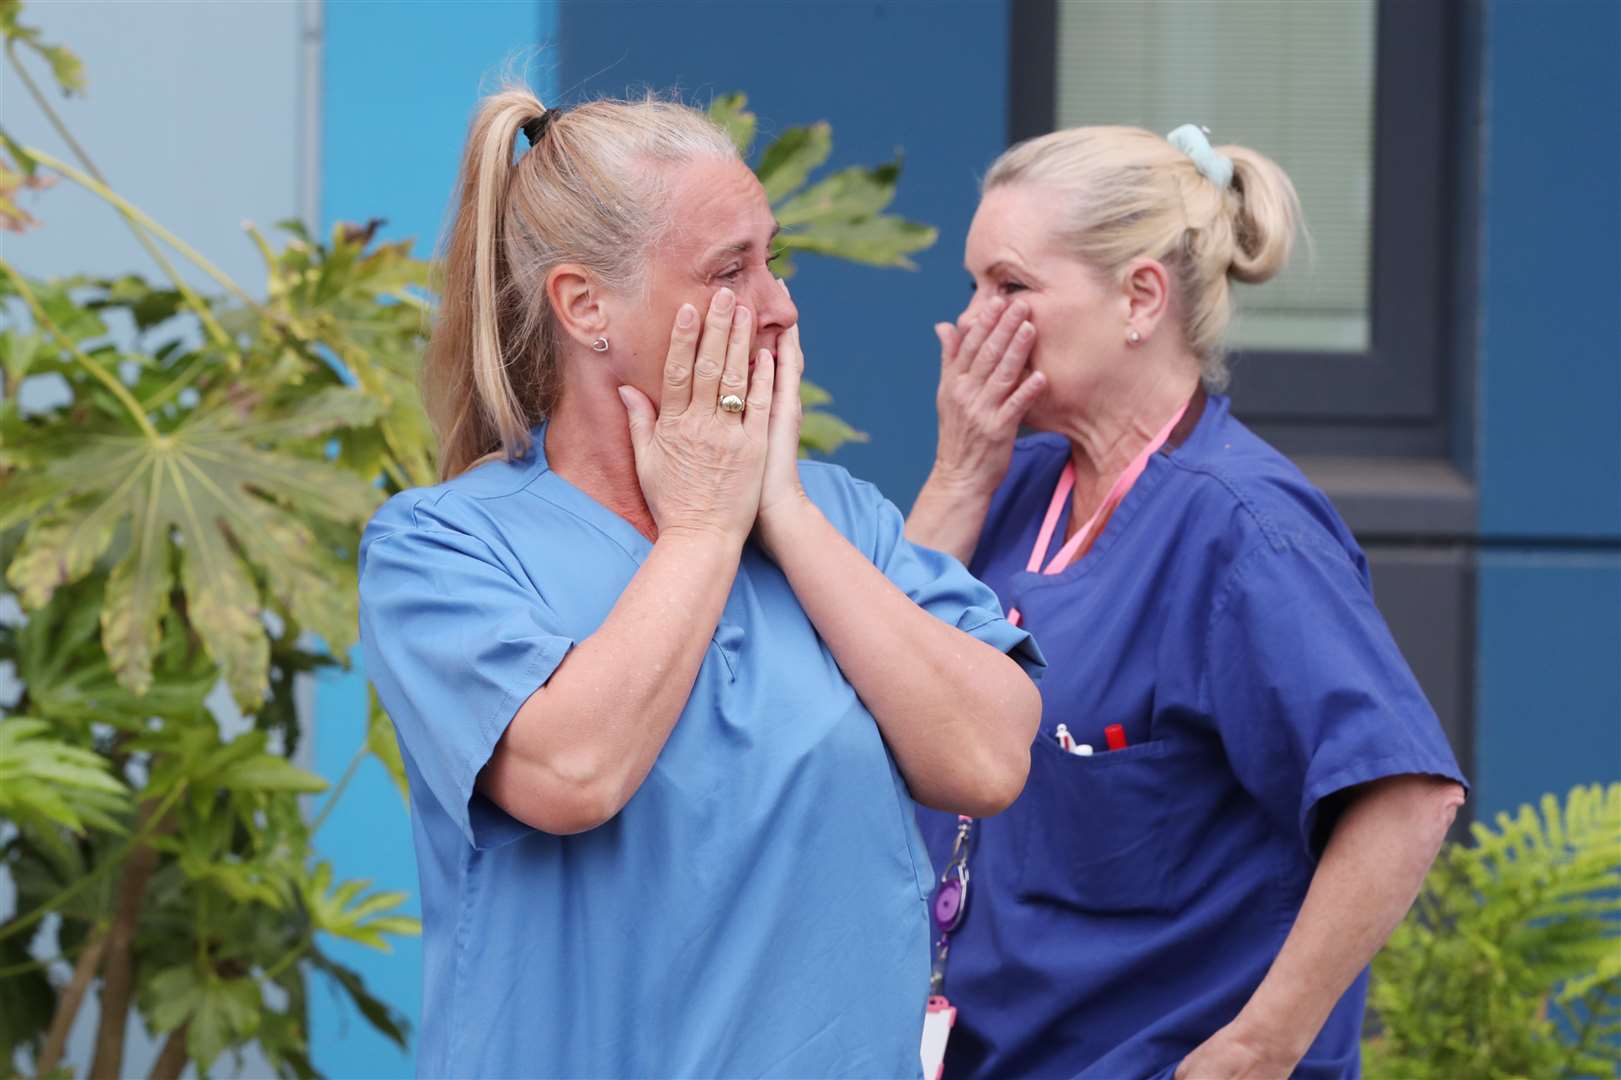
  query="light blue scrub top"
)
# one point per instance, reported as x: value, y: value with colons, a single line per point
x: 758, y: 907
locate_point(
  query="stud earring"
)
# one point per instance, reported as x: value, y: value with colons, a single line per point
x: 1134, y: 337
x: 600, y: 345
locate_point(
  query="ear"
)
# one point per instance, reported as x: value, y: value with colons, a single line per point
x: 1145, y: 290
x: 576, y: 300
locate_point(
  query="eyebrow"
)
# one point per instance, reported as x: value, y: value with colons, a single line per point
x: 744, y: 245
x: 1002, y: 266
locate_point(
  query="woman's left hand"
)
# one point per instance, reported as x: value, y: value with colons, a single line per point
x: 781, y: 494
x: 1237, y: 1053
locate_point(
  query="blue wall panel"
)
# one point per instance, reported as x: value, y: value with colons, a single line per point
x: 400, y: 83
x: 1551, y: 333
x: 929, y: 78
x: 1550, y: 675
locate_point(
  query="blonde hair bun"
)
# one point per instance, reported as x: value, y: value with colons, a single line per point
x: 1124, y: 193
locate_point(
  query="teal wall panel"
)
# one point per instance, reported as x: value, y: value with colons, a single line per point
x: 400, y: 81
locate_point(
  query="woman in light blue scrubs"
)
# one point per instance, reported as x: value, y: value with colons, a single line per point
x: 665, y: 695
x: 1237, y: 785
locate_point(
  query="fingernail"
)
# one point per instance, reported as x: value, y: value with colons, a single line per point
x: 764, y: 357
x: 723, y: 300
x: 687, y: 316
x: 1025, y: 330
x: 624, y: 395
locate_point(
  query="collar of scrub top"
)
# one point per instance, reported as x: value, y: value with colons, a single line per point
x: 1084, y: 535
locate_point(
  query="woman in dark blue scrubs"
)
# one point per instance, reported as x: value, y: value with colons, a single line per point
x: 1238, y: 785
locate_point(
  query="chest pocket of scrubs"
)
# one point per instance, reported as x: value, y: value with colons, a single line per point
x: 1095, y: 831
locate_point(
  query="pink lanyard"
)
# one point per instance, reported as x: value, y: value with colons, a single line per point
x: 1082, y: 540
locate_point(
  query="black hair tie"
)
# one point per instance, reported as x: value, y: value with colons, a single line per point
x: 535, y: 130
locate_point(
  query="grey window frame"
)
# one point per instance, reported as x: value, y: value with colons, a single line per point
x: 1395, y: 398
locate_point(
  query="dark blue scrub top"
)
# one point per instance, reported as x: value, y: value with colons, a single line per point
x: 1127, y: 906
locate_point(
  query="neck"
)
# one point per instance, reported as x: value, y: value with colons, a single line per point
x: 1128, y: 416
x: 588, y: 444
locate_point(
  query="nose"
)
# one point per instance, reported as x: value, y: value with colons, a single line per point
x: 977, y: 304
x: 775, y: 308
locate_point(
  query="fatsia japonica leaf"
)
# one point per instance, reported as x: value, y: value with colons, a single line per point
x: 788, y: 161
x: 65, y: 65
x: 384, y: 746
x: 46, y: 782
x: 215, y: 499
x: 730, y: 111
x: 367, y: 307
x: 852, y: 193
x: 347, y: 911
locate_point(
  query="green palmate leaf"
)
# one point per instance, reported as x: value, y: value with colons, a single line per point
x: 1508, y: 935
x: 824, y: 433
x: 217, y: 489
x: 59, y: 549
x: 788, y: 161
x: 229, y: 1014
x: 344, y: 912
x: 879, y: 241
x: 266, y: 772
x: 65, y: 66
x: 378, y: 1014
x: 731, y: 113
x: 849, y: 195
x: 45, y: 782
x: 381, y: 741
x: 25, y: 1001
x: 811, y: 395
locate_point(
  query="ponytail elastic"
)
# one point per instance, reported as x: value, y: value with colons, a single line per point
x: 1194, y: 141
x: 535, y: 130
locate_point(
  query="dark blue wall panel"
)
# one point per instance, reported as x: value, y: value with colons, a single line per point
x: 1549, y: 679
x: 928, y: 77
x: 1550, y: 676
x: 1551, y: 332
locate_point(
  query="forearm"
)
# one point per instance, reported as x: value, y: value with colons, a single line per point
x: 958, y: 714
x: 948, y: 516
x: 1370, y: 873
x: 582, y: 745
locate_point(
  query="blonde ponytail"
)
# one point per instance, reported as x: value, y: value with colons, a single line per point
x: 588, y: 192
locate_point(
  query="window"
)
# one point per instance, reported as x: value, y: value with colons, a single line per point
x: 1350, y: 350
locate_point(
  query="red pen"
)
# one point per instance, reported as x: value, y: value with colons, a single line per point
x: 1116, y: 735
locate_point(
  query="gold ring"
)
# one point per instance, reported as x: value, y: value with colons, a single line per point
x: 731, y: 403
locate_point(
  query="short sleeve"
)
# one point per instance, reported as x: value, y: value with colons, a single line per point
x: 454, y: 644
x: 1307, y: 689
x: 942, y: 586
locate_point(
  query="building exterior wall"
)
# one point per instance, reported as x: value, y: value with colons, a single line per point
x: 202, y: 114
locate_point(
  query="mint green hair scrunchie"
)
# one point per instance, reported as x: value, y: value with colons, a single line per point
x: 1192, y: 141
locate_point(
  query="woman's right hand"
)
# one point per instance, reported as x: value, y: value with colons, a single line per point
x: 700, y: 466
x: 982, y: 398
